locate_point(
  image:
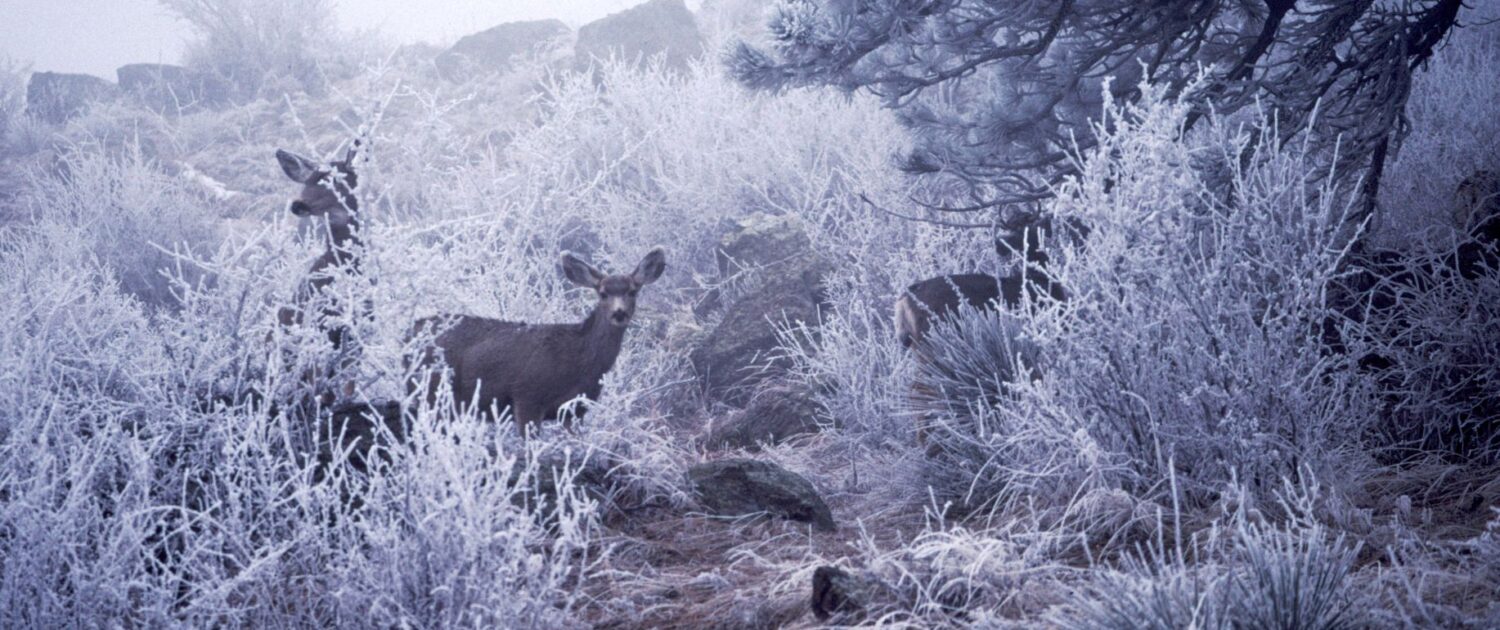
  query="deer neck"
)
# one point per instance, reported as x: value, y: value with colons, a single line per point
x: 601, y: 341
x: 343, y: 242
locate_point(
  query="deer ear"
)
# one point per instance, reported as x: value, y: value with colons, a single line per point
x: 346, y: 166
x: 651, y: 267
x: 298, y: 168
x: 580, y: 273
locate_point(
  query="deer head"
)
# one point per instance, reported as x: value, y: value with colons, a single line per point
x: 327, y: 191
x: 617, y: 292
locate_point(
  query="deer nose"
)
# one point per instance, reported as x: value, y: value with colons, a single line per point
x: 298, y: 208
x: 620, y: 316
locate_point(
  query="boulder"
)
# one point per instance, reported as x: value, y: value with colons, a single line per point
x: 172, y: 89
x: 646, y: 30
x: 741, y: 487
x: 779, y: 279
x: 838, y: 595
x: 494, y: 49
x: 57, y: 97
x: 590, y: 473
x: 774, y: 415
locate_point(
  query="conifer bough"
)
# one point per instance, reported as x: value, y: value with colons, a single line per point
x: 1000, y: 93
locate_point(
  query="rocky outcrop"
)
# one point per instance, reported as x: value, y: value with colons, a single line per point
x: 774, y: 415
x: 494, y: 50
x: 172, y: 89
x: 658, y: 27
x: 57, y: 97
x: 742, y: 487
x: 776, y: 278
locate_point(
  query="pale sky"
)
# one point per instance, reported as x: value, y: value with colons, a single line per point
x: 97, y: 36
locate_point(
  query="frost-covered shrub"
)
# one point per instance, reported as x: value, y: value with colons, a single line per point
x: 1158, y: 592
x: 13, y: 78
x: 1454, y: 132
x: 972, y: 360
x: 1252, y: 576
x: 129, y: 214
x: 1189, y: 345
x: 266, y: 47
x: 77, y: 371
x: 478, y: 549
x: 1296, y: 578
x: 1424, y: 327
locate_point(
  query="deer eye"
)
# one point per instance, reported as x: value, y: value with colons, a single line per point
x: 632, y: 292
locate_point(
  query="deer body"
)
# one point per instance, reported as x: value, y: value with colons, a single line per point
x: 535, y: 369
x: 934, y: 299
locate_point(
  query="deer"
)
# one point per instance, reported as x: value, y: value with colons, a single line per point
x: 537, y: 369
x: 327, y: 199
x: 943, y: 298
x: 936, y: 299
x: 1372, y: 303
x: 1477, y: 206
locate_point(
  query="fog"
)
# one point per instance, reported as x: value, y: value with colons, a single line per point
x: 97, y: 36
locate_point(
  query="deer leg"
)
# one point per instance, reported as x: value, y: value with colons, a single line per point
x: 526, y: 414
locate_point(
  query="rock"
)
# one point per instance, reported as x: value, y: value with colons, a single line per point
x: 739, y: 487
x: 172, y: 89
x: 779, y: 279
x: 649, y: 29
x: 494, y: 49
x: 589, y: 473
x: 762, y: 240
x: 56, y: 97
x: 774, y: 415
x: 838, y: 595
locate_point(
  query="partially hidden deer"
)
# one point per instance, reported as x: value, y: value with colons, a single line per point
x: 935, y: 299
x: 536, y: 369
x: 328, y: 201
x: 930, y: 301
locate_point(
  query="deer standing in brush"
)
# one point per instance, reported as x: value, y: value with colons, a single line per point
x: 936, y: 299
x: 942, y: 298
x: 328, y: 201
x: 536, y: 369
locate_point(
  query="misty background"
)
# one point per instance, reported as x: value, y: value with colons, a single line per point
x: 97, y: 36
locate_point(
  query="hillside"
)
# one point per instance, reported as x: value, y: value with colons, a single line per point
x: 1189, y: 451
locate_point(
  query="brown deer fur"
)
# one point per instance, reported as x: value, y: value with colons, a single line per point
x: 934, y: 299
x: 535, y: 369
